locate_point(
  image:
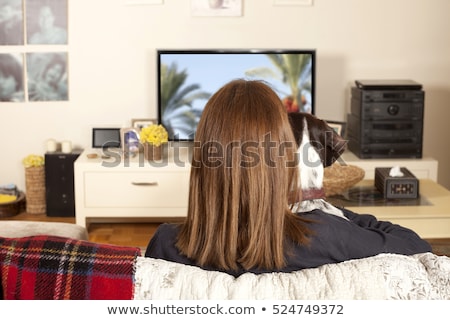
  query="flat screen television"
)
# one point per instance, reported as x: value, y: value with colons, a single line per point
x: 187, y: 78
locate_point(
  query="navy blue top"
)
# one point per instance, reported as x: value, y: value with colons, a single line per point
x: 335, y: 240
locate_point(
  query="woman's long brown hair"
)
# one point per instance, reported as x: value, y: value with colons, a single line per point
x: 243, y: 172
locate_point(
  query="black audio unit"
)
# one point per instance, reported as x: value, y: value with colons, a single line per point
x: 59, y: 183
x: 386, y: 123
x: 384, y: 139
x: 387, y: 105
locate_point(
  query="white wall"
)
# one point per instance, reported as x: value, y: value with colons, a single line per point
x: 112, y: 63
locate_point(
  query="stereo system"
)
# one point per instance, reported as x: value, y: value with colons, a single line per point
x: 386, y: 119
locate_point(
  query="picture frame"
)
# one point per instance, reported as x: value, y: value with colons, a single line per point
x: 105, y: 138
x: 55, y: 14
x: 12, y: 67
x: 338, y: 126
x: 216, y: 8
x: 43, y: 88
x: 130, y: 141
x: 142, y: 123
x: 12, y: 24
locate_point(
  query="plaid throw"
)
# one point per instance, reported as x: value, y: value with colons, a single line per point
x: 49, y: 267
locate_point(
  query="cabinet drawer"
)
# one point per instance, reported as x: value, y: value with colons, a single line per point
x: 136, y: 189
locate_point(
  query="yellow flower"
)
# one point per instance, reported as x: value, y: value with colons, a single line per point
x: 33, y: 161
x: 154, y: 134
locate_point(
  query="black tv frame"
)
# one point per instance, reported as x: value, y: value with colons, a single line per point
x: 161, y: 52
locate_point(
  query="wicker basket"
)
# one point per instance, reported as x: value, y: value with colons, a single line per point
x: 35, y: 190
x: 338, y: 178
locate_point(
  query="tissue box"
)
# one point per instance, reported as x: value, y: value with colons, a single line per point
x: 406, y: 187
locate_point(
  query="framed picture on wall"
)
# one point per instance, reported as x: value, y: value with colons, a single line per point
x: 11, y: 22
x: 11, y: 77
x: 142, y: 123
x: 47, y: 76
x: 337, y: 126
x: 47, y: 21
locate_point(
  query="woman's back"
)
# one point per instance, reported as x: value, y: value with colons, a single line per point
x: 243, y: 177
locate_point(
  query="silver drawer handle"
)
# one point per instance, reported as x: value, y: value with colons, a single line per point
x: 144, y: 183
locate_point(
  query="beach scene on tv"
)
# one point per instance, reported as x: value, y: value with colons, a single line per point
x: 188, y: 80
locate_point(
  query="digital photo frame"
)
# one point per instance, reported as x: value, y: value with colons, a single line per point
x: 106, y: 138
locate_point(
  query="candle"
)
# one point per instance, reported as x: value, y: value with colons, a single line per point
x: 51, y: 145
x: 66, y: 147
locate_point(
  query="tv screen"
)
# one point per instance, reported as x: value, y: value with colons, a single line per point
x: 188, y: 78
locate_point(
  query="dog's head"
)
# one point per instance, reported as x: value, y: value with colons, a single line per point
x: 328, y: 144
x: 319, y: 146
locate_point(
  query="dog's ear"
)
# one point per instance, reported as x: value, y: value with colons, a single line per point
x: 328, y: 143
x: 335, y: 145
x: 296, y: 120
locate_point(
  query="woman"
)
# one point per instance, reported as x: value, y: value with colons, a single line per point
x: 243, y: 178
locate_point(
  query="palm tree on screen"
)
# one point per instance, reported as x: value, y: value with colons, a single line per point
x: 294, y: 71
x: 177, y: 114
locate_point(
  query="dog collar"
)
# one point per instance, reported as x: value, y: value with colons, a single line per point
x: 312, y: 194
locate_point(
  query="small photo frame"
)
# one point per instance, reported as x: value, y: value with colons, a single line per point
x: 337, y: 126
x: 130, y: 141
x: 142, y: 123
x: 105, y: 138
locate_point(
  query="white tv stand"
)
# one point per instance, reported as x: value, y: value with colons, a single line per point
x: 121, y: 187
x: 425, y: 168
x: 136, y: 188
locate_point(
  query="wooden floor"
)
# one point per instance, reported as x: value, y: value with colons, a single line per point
x: 128, y: 234
x: 138, y: 234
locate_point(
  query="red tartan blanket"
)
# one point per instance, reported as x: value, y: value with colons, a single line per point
x: 49, y: 267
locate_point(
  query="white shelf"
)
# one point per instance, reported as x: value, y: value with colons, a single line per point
x: 424, y: 168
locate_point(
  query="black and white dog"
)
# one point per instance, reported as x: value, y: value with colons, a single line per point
x: 319, y: 146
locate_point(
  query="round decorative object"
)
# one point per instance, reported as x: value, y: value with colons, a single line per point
x: 152, y: 152
x: 35, y: 190
x: 338, y: 178
x: 13, y: 208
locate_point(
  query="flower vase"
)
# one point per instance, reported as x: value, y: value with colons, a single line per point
x: 35, y: 190
x: 152, y: 152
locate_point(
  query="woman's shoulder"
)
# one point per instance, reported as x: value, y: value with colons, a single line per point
x: 162, y: 245
x: 166, y: 231
x: 168, y: 227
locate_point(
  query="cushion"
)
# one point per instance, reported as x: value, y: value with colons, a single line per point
x: 52, y: 267
x: 18, y: 229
